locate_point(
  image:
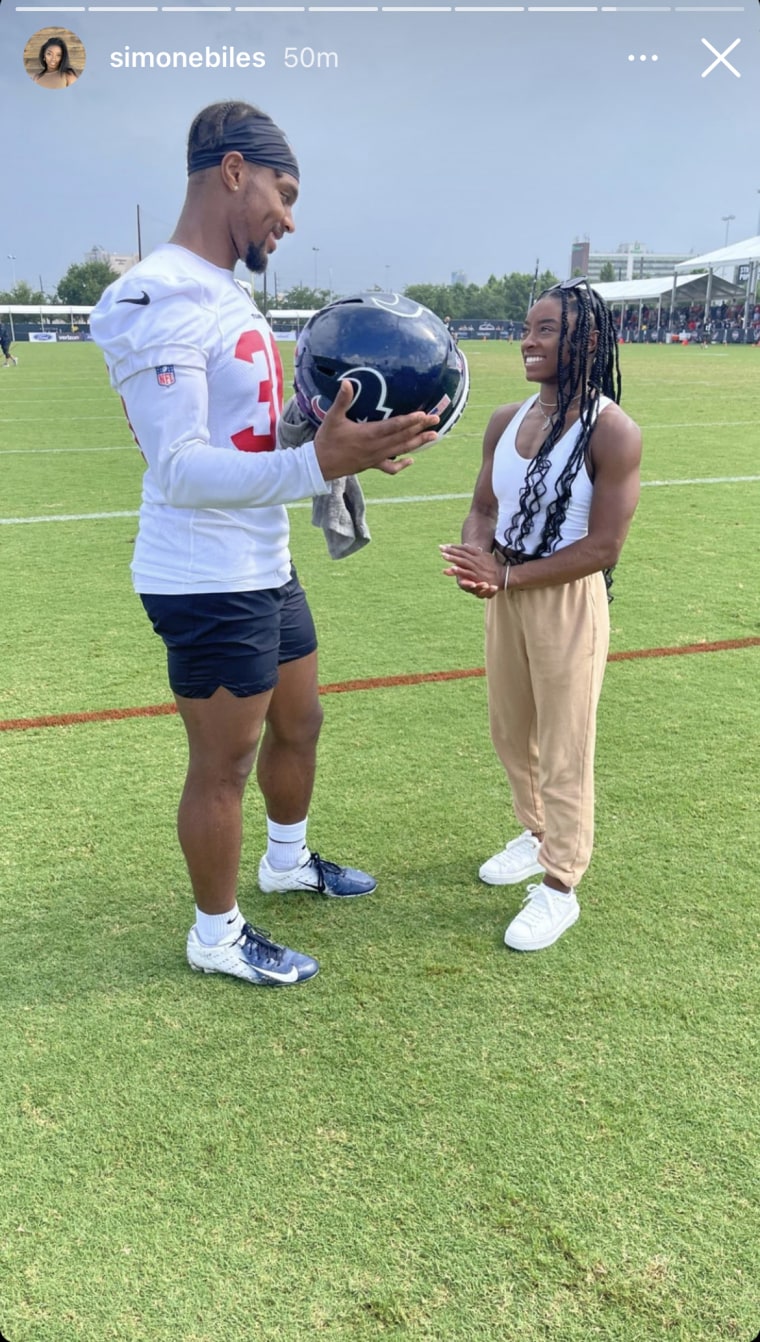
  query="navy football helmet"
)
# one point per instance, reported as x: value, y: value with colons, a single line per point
x: 397, y: 354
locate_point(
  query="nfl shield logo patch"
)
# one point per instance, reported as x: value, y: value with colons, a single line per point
x: 165, y: 375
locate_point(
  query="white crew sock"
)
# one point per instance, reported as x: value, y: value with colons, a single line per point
x: 213, y: 928
x: 286, y: 847
x: 561, y: 894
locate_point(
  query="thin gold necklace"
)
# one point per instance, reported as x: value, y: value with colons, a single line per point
x: 552, y: 410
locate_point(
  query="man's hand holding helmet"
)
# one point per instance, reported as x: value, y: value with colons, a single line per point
x: 344, y: 447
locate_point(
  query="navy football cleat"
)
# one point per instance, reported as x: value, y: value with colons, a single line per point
x: 252, y: 956
x: 318, y: 877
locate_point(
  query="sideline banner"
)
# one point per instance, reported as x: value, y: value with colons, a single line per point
x: 473, y: 328
x: 41, y: 337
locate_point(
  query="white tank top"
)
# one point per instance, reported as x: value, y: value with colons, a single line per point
x: 508, y: 478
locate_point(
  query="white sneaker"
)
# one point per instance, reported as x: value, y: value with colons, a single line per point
x: 515, y: 863
x: 545, y: 915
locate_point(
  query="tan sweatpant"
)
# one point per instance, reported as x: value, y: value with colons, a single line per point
x: 546, y: 651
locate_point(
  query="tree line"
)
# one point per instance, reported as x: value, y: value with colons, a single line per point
x: 504, y: 298
x: 82, y: 285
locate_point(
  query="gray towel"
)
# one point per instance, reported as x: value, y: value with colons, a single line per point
x: 340, y: 513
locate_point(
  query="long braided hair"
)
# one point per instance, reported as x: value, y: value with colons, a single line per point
x: 576, y: 378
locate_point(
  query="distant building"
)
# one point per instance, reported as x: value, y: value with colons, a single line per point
x: 630, y: 261
x: 458, y: 277
x: 579, y: 257
x: 122, y: 263
x: 117, y: 262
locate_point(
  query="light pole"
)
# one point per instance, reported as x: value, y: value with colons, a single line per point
x: 387, y: 279
x: 12, y: 259
x: 758, y: 217
x: 316, y: 260
x: 727, y: 220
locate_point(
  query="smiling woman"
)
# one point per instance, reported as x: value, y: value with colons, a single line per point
x: 54, y: 58
x: 558, y: 486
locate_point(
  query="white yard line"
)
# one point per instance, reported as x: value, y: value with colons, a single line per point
x: 377, y: 503
x: 646, y: 428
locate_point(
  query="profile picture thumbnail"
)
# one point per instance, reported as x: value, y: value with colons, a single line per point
x: 54, y: 58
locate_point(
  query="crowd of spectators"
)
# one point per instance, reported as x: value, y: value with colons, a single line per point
x: 723, y: 325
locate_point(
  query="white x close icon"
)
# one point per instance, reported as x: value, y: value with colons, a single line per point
x: 721, y: 57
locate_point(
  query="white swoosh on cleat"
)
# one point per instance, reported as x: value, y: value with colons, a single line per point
x: 290, y: 975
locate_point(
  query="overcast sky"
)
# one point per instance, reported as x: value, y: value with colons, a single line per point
x: 428, y: 142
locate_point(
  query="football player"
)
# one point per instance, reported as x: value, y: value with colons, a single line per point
x: 200, y: 378
x: 9, y: 360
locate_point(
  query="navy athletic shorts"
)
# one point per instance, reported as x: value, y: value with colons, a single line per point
x: 232, y: 639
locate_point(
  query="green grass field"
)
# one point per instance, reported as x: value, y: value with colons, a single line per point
x: 437, y: 1138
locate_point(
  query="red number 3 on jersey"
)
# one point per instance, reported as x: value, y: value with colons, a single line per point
x: 255, y: 348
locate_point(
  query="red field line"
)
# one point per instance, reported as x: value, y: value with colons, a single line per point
x: 99, y: 715
x: 725, y: 645
x: 350, y: 686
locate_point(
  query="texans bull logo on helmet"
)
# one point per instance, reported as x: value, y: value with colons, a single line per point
x: 398, y: 355
x: 370, y: 396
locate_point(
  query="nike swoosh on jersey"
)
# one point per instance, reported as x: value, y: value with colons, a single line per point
x: 141, y: 302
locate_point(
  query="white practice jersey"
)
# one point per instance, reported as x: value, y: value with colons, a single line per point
x: 200, y: 378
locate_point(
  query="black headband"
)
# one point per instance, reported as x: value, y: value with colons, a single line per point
x: 257, y: 139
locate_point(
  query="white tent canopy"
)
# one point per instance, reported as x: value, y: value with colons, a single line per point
x: 45, y: 310
x: 295, y: 318
x: 45, y: 314
x: 725, y: 258
x: 689, y: 289
x: 744, y: 254
x: 703, y: 288
x: 292, y: 315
